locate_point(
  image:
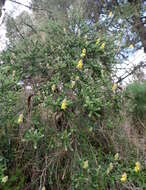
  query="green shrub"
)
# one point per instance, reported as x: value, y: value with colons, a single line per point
x: 63, y: 139
x: 137, y: 93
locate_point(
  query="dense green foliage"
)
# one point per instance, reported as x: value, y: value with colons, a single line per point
x: 122, y: 16
x: 65, y: 140
x: 61, y: 113
x: 137, y: 93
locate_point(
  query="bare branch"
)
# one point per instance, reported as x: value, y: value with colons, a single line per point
x: 132, y: 72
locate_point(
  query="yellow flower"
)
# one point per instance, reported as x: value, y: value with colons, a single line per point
x: 83, y: 54
x: 48, y: 66
x: 90, y: 129
x: 110, y: 14
x: 43, y: 188
x: 84, y: 51
x: 102, y: 73
x: 137, y: 167
x: 111, y: 166
x: 131, y: 46
x: 13, y: 73
x: 85, y: 164
x: 77, y: 78
x: 73, y: 83
x: 102, y: 46
x: 80, y: 64
x: 64, y: 104
x: 53, y: 88
x: 4, y: 179
x: 64, y: 29
x: 39, y: 93
x: 116, y: 157
x: 109, y: 169
x: 97, y: 41
x: 35, y: 146
x: 137, y: 164
x: 114, y: 87
x: 20, y: 118
x: 86, y: 36
x: 124, y: 177
x: 79, y: 32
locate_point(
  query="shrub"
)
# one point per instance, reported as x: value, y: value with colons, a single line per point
x: 137, y: 93
x: 60, y: 135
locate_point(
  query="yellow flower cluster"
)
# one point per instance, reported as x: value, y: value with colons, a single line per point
x: 83, y: 54
x: 102, y: 46
x: 53, y: 88
x: 64, y: 104
x: 137, y: 167
x: 80, y: 64
x: 73, y: 83
x: 110, y: 14
x: 13, y: 73
x: 97, y: 41
x: 114, y: 87
x: 116, y: 157
x: 85, y: 164
x: 102, y: 73
x: 77, y: 78
x: 64, y: 29
x: 4, y: 179
x: 131, y: 46
x: 124, y: 177
x: 43, y: 188
x: 110, y: 168
x: 20, y: 119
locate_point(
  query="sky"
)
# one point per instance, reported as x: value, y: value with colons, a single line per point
x: 15, y: 9
x: 133, y: 60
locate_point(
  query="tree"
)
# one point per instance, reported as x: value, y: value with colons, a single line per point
x: 19, y: 27
x: 125, y: 14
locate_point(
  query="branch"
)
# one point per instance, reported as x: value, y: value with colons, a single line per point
x: 30, y: 6
x: 30, y: 26
x: 17, y: 29
x: 132, y: 72
x: 27, y: 6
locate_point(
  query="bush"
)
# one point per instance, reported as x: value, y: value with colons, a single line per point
x: 59, y: 135
x: 137, y: 93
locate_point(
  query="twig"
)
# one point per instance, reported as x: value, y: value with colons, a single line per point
x: 132, y: 72
x: 30, y: 6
